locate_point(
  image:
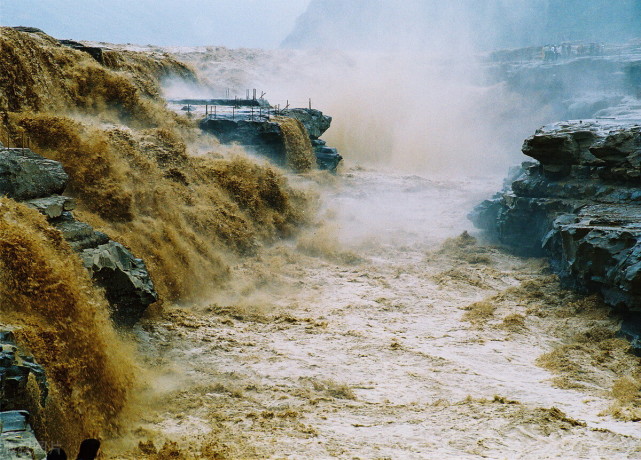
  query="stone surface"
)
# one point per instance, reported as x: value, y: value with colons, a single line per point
x: 314, y: 120
x: 14, y: 375
x: 25, y: 175
x: 580, y: 205
x: 78, y: 234
x: 265, y: 137
x: 127, y: 284
x: 30, y: 30
x: 327, y: 158
x: 223, y: 102
x: 53, y: 206
x: 17, y: 440
x: 94, y: 51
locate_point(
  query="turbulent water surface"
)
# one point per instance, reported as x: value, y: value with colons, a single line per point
x: 385, y: 333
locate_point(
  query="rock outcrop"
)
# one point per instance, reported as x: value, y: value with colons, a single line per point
x: 17, y: 440
x: 25, y: 175
x: 125, y: 279
x: 15, y: 369
x: 264, y: 135
x: 579, y: 205
x: 315, y: 122
x: 28, y: 177
x: 94, y: 51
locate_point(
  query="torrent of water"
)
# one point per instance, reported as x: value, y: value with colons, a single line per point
x: 384, y: 333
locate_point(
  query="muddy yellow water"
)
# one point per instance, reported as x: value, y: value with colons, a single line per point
x: 386, y: 332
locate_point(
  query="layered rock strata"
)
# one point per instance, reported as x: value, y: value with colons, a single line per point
x: 580, y: 205
x: 26, y: 176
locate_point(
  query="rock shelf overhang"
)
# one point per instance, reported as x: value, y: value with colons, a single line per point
x: 579, y: 205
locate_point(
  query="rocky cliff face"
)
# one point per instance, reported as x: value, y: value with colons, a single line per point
x: 580, y: 205
x: 28, y: 177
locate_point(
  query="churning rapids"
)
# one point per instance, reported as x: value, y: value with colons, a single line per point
x: 387, y: 332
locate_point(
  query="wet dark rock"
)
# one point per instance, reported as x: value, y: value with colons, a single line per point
x: 223, y: 102
x: 17, y: 440
x: 580, y: 206
x: 327, y: 158
x: 14, y: 375
x: 30, y: 30
x: 25, y: 175
x: 264, y: 136
x: 78, y: 234
x: 631, y: 330
x: 127, y: 284
x: 94, y: 51
x: 53, y: 206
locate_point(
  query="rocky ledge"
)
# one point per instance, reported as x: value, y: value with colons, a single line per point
x: 264, y: 135
x: 27, y: 177
x: 580, y: 205
x: 17, y: 440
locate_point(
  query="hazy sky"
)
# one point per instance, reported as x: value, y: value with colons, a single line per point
x: 233, y: 23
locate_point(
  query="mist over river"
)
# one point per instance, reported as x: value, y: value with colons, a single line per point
x: 385, y: 333
x: 316, y: 291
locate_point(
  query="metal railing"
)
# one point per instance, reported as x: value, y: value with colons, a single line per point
x: 14, y: 140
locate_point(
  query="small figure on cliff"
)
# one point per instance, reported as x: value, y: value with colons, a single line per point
x: 88, y: 449
x: 57, y: 454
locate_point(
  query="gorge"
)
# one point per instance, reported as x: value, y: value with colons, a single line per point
x: 189, y: 286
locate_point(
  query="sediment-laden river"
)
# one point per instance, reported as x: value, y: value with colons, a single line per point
x: 386, y: 332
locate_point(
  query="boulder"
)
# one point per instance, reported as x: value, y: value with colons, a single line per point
x: 25, y: 175
x: 127, y: 284
x: 263, y: 136
x: 17, y: 440
x: 53, y: 206
x: 93, y: 51
x: 29, y: 30
x: 327, y: 158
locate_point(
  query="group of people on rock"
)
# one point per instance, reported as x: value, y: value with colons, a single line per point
x: 566, y: 50
x: 88, y: 451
